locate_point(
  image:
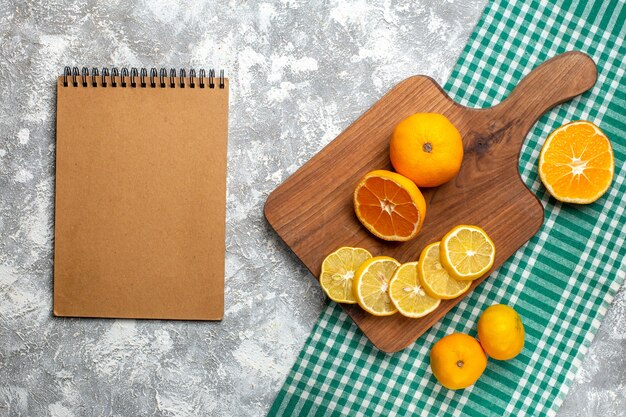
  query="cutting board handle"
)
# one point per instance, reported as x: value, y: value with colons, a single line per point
x: 553, y: 82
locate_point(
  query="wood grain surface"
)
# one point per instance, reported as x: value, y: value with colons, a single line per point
x: 312, y: 211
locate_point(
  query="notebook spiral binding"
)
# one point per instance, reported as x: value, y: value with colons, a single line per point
x: 75, y: 77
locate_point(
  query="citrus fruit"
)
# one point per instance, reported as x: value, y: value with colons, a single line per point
x: 576, y: 163
x: 467, y: 252
x: 407, y: 293
x: 457, y: 360
x: 427, y: 148
x: 389, y: 205
x: 338, y: 271
x: 436, y: 281
x: 501, y: 332
x: 371, y: 285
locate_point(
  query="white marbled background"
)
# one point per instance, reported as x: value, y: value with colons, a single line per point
x: 300, y: 73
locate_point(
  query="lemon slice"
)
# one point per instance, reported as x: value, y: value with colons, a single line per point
x: 436, y: 281
x: 338, y: 272
x: 467, y: 252
x: 371, y: 285
x: 408, y: 295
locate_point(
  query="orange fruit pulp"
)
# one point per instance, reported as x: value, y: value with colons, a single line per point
x: 501, y: 332
x: 427, y: 148
x: 389, y: 205
x: 576, y: 163
x: 457, y: 360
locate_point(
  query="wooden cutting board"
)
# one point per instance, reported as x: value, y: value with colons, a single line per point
x: 312, y: 211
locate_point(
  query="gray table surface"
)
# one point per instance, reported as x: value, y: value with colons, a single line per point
x: 300, y: 73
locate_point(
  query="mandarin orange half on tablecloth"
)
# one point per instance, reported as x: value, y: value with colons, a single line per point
x: 576, y: 163
x: 389, y: 205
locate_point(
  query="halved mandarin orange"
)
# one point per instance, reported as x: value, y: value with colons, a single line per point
x: 576, y: 163
x: 389, y: 205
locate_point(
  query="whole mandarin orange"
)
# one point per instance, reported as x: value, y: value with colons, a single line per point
x: 457, y: 361
x: 501, y: 332
x: 426, y: 148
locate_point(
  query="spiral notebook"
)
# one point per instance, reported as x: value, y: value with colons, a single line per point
x: 140, y: 194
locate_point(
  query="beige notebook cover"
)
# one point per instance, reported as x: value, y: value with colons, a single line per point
x: 140, y: 195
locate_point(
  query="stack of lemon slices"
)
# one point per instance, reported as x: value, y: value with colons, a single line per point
x: 382, y: 286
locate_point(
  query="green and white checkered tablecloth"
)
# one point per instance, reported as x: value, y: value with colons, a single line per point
x: 561, y: 281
